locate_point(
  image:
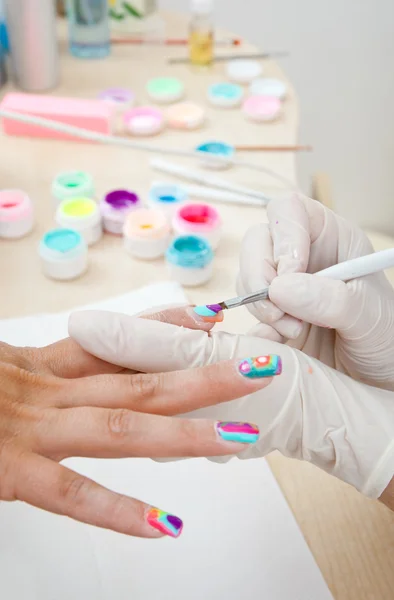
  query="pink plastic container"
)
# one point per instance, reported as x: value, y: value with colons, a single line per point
x: 202, y: 220
x: 16, y: 214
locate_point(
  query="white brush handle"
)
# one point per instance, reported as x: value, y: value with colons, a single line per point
x: 190, y: 175
x: 361, y: 266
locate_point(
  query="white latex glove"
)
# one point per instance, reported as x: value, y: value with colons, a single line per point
x: 310, y: 412
x: 348, y: 326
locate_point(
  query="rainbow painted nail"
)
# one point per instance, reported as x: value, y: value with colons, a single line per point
x: 164, y: 522
x: 261, y: 366
x: 209, y: 313
x: 244, y: 433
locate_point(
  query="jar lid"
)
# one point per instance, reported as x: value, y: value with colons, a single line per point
x: 165, y: 89
x: 185, y: 115
x: 262, y: 108
x: 190, y: 251
x: 243, y: 70
x: 117, y: 96
x: 225, y: 94
x: 268, y: 87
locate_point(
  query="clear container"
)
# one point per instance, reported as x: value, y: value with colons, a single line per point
x: 34, y: 51
x: 201, y: 35
x: 89, y: 29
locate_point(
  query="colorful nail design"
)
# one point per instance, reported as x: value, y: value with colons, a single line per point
x: 261, y: 366
x: 209, y: 313
x: 164, y: 522
x: 244, y: 433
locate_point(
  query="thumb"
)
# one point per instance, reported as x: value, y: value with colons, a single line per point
x: 317, y: 300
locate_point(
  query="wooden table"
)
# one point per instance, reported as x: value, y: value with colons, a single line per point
x: 351, y: 537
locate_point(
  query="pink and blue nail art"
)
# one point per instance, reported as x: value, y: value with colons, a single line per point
x: 164, y: 522
x: 261, y: 366
x: 244, y: 433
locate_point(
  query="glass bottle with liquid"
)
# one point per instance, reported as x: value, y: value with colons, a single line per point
x: 201, y: 36
x: 89, y: 29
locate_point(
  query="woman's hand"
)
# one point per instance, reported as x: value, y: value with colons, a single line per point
x: 311, y: 412
x: 348, y: 326
x: 58, y: 402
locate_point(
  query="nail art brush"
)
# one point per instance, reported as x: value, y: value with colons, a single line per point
x: 345, y: 271
x: 261, y: 55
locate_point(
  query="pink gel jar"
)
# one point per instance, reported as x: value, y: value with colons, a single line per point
x: 16, y: 214
x: 202, y: 220
x: 115, y: 207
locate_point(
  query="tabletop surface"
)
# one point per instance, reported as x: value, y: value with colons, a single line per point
x: 352, y: 538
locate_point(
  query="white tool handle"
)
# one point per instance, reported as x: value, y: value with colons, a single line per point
x: 190, y: 175
x: 358, y: 267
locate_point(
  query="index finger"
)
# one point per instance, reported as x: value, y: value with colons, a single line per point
x: 290, y: 232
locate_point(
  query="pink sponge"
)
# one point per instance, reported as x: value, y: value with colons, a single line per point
x: 94, y: 115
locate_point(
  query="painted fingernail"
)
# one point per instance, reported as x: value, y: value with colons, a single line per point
x: 261, y: 366
x: 164, y: 522
x: 209, y: 313
x: 244, y: 433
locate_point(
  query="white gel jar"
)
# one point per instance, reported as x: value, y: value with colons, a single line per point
x: 189, y: 259
x: 63, y: 254
x: 72, y: 184
x: 146, y: 233
x: 82, y: 215
x: 16, y: 214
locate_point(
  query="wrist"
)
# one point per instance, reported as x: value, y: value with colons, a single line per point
x: 388, y: 495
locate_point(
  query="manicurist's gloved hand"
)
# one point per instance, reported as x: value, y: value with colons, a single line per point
x: 348, y: 326
x: 311, y: 411
x: 59, y: 401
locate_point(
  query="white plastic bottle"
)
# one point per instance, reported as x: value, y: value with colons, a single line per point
x: 201, y: 36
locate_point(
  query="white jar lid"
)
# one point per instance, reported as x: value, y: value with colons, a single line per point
x: 268, y: 87
x: 243, y: 70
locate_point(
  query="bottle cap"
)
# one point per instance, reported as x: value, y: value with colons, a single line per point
x: 202, y: 7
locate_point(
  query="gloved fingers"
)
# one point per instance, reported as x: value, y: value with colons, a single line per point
x: 257, y: 270
x: 317, y: 300
x: 289, y: 230
x: 265, y: 331
x: 151, y: 346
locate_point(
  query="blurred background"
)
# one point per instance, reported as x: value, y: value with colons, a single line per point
x: 340, y: 64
